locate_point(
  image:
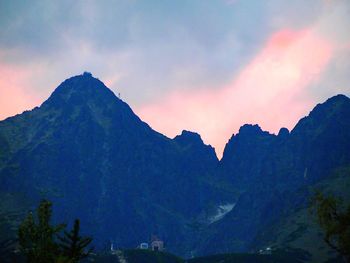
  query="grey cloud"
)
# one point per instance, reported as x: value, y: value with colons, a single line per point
x: 152, y: 47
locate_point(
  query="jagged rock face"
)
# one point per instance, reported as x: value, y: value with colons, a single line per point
x: 322, y: 139
x: 244, y: 155
x: 199, y: 155
x: 279, y: 168
x: 86, y: 150
x: 315, y: 147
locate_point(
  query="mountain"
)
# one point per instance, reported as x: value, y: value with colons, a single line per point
x: 299, y: 229
x: 276, y: 176
x: 86, y: 151
x: 244, y: 155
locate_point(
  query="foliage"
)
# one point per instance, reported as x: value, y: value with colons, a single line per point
x: 37, y: 236
x: 334, y: 220
x: 74, y: 246
x: 38, y: 239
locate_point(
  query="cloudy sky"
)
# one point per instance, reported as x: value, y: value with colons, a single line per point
x: 202, y: 65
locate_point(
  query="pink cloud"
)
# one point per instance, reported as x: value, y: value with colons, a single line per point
x: 14, y: 91
x: 269, y: 91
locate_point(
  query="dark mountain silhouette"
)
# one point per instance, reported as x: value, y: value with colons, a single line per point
x: 275, y: 174
x: 245, y: 153
x: 86, y: 151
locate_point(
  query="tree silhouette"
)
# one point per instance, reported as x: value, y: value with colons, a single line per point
x: 40, y: 242
x: 73, y: 246
x: 36, y: 236
x: 334, y: 220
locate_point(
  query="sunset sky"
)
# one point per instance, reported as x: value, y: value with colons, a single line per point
x: 208, y: 66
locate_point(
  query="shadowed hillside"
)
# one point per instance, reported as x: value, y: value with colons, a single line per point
x: 86, y: 151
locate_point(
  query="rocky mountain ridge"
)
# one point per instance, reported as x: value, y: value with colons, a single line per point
x: 88, y: 152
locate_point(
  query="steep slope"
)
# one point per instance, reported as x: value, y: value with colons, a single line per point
x: 244, y: 155
x: 279, y: 170
x: 299, y: 228
x: 86, y: 150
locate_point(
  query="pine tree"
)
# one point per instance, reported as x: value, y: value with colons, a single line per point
x: 73, y: 246
x: 37, y: 237
x: 39, y: 240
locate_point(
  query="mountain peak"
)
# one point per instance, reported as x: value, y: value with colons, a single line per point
x: 81, y: 89
x: 249, y: 139
x: 333, y: 110
x: 87, y: 74
x: 188, y: 137
x: 331, y: 104
x: 250, y: 129
x: 283, y: 132
x: 326, y: 111
x: 193, y: 143
x: 338, y: 98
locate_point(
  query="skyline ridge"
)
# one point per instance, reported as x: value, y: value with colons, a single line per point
x: 86, y: 75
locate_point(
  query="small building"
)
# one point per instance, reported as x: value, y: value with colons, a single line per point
x: 157, y: 244
x: 144, y: 245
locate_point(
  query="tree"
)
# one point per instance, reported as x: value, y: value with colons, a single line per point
x: 334, y: 220
x: 39, y: 240
x: 74, y: 246
x: 37, y: 237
